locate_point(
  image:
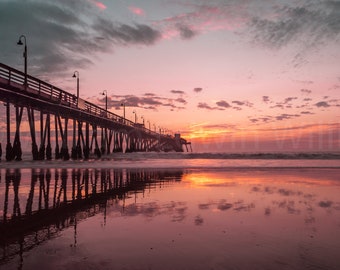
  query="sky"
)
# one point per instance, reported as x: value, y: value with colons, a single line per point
x: 229, y: 75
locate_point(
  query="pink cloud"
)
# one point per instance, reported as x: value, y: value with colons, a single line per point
x: 98, y: 4
x: 136, y: 10
x: 206, y: 18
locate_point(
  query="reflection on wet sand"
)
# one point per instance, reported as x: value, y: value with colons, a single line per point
x: 190, y: 219
x: 59, y: 198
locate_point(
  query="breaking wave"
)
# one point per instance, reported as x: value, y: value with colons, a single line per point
x: 155, y: 155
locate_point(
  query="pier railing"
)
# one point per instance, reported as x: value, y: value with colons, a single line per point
x: 15, y: 79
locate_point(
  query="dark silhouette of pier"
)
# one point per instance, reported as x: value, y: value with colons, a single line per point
x: 66, y: 119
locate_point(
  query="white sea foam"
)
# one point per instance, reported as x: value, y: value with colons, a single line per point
x: 188, y: 161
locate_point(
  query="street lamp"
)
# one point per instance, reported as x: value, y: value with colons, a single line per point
x: 135, y: 116
x: 24, y: 55
x: 149, y: 125
x: 76, y: 75
x: 123, y: 104
x: 105, y: 93
x: 143, y: 119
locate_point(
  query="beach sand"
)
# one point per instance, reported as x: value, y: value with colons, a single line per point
x: 171, y: 218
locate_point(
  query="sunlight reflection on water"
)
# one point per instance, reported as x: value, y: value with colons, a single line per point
x: 174, y: 218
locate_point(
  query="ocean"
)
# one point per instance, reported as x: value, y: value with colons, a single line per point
x: 172, y: 211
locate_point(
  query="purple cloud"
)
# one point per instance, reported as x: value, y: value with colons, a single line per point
x: 306, y: 91
x: 323, y: 104
x: 203, y: 105
x: 265, y: 99
x: 180, y: 92
x: 289, y: 99
x: 286, y: 116
x: 198, y: 89
x: 148, y: 101
x: 223, y: 104
x: 243, y: 103
x: 181, y: 100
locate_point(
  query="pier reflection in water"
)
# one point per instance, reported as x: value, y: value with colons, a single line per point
x: 175, y: 219
x: 38, y: 203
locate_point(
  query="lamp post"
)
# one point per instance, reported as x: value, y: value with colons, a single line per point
x: 24, y: 55
x: 76, y: 75
x: 105, y: 93
x: 123, y: 104
x: 135, y: 116
x: 104, y: 131
x: 149, y: 125
x: 143, y: 120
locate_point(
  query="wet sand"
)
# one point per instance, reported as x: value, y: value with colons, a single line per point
x: 149, y: 218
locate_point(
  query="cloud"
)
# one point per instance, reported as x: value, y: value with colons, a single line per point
x: 126, y: 34
x: 185, y: 31
x: 65, y: 33
x: 198, y: 89
x: 219, y: 126
x: 177, y: 92
x: 136, y: 10
x: 272, y: 24
x: 150, y: 94
x: 243, y: 103
x: 303, y: 82
x: 306, y: 112
x: 265, y: 99
x: 289, y: 99
x: 322, y: 104
x: 99, y: 5
x: 278, y: 105
x: 312, y: 23
x: 286, y: 116
x: 207, y: 16
x: 263, y: 119
x: 223, y: 104
x: 203, y: 105
x: 285, y: 103
x: 308, y: 26
x: 148, y: 101
x: 306, y: 91
x: 64, y: 40
x: 268, y: 119
x: 181, y: 100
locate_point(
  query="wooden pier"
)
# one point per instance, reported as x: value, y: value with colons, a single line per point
x: 66, y: 120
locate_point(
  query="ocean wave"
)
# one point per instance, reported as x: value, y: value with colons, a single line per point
x: 155, y: 155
